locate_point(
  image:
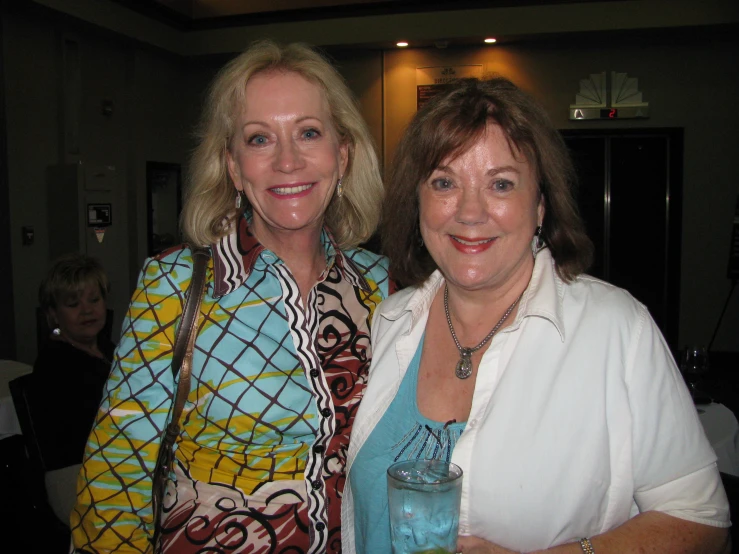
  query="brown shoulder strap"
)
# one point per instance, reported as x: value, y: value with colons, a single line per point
x: 188, y: 330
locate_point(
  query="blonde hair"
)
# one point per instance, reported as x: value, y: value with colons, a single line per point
x: 209, y: 204
x: 68, y: 276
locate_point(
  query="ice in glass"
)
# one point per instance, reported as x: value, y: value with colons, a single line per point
x: 423, y: 497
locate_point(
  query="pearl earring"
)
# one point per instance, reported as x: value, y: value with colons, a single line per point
x: 340, y: 188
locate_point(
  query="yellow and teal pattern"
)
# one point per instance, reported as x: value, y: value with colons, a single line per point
x: 274, y: 389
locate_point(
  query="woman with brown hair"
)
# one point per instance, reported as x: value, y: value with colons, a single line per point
x: 553, y: 391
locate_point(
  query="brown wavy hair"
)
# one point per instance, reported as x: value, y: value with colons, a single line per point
x: 445, y: 127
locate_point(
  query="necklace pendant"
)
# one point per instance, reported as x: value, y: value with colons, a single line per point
x: 464, y: 365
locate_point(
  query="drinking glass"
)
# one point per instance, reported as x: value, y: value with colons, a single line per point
x: 423, y: 498
x: 693, y: 365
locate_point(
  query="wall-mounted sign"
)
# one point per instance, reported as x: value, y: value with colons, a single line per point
x: 432, y: 80
x: 99, y: 215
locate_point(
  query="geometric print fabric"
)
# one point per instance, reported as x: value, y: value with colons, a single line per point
x: 274, y: 389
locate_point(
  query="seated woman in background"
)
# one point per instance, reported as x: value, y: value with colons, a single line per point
x: 552, y: 390
x: 71, y: 369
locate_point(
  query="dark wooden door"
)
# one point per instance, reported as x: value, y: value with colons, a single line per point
x: 630, y: 196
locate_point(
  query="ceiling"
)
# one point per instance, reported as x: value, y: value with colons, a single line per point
x: 193, y: 15
x: 216, y: 27
x: 203, y: 9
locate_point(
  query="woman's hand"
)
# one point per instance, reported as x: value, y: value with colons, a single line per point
x: 475, y: 545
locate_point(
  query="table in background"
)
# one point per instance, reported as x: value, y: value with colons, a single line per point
x: 9, y: 370
x: 722, y: 430
x: 8, y: 419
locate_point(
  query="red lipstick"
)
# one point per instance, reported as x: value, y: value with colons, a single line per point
x: 470, y: 245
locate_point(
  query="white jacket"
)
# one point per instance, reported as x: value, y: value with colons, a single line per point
x: 579, y: 418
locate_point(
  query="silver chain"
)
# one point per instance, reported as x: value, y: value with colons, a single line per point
x: 464, y: 366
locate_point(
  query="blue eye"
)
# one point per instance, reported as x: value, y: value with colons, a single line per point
x: 311, y: 133
x: 441, y: 184
x: 502, y: 185
x: 257, y: 140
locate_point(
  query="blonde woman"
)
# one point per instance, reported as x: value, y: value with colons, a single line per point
x: 71, y: 368
x: 284, y: 185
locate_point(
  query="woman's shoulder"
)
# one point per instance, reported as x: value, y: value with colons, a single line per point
x: 176, y: 255
x: 373, y: 267
x: 603, y: 298
x: 366, y: 260
x: 55, y: 354
x: 398, y: 300
x: 176, y: 264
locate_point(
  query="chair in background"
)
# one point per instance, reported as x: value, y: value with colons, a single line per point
x: 53, y: 486
x: 731, y: 486
x: 17, y: 506
x: 9, y: 370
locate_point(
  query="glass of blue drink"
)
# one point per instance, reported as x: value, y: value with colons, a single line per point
x: 423, y: 501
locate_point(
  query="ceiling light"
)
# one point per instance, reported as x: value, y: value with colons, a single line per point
x: 490, y: 40
x: 402, y: 44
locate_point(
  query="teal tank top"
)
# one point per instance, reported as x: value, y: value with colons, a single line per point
x: 402, y: 434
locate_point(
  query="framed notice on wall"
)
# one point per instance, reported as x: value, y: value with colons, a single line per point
x: 431, y: 80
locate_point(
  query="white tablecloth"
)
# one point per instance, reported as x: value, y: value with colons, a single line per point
x: 722, y: 431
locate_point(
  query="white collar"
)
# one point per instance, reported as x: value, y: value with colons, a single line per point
x: 542, y: 298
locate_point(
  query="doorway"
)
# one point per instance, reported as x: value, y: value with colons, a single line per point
x: 164, y: 204
x: 630, y: 197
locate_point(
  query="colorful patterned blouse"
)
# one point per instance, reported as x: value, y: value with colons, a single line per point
x: 275, y: 386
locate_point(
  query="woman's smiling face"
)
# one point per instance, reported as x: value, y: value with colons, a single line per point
x: 285, y: 154
x: 478, y: 214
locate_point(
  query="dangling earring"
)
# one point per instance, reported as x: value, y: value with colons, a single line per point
x: 340, y: 188
x: 238, y: 200
x: 537, y: 243
x: 56, y: 332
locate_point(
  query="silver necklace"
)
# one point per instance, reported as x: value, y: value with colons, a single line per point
x: 464, y: 365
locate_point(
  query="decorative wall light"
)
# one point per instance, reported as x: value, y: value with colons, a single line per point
x: 618, y: 99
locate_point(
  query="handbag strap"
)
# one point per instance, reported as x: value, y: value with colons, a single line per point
x: 188, y: 330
